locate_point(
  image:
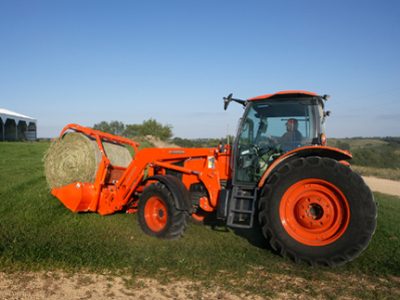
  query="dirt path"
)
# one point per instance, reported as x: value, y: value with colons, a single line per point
x: 59, y: 285
x: 385, y: 186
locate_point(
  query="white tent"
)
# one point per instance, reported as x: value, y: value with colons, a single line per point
x: 15, y: 126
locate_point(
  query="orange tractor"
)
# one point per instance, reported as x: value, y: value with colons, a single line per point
x: 279, y: 175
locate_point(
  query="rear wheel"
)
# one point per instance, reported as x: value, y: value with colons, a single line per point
x: 317, y: 210
x: 158, y: 215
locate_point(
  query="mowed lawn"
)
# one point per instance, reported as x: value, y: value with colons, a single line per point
x: 38, y: 233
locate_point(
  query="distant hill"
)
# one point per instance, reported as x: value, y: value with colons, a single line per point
x: 371, y: 152
x: 356, y: 143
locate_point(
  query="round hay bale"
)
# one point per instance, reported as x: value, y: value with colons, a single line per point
x: 117, y: 154
x: 76, y: 157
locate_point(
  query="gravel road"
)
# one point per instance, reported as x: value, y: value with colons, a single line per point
x: 385, y: 186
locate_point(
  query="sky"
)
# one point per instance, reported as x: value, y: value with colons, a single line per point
x: 87, y: 61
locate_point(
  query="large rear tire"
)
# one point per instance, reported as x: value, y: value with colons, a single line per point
x: 158, y: 215
x: 318, y: 211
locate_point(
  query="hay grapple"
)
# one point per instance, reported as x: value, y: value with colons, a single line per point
x: 279, y: 175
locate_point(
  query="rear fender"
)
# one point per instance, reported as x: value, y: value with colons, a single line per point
x: 322, y: 151
x: 177, y: 189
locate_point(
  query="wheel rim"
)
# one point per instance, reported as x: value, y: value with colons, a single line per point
x: 155, y: 214
x: 314, y: 212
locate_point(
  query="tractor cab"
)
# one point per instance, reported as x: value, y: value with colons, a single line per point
x: 273, y: 125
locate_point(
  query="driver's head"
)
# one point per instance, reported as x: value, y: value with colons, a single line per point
x: 292, y: 124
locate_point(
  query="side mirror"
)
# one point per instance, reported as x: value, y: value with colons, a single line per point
x: 227, y: 100
x: 326, y: 97
x: 327, y: 113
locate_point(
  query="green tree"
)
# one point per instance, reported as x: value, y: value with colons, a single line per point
x: 113, y: 127
x: 152, y: 127
x: 117, y: 127
x: 148, y: 127
x: 102, y: 126
x: 132, y: 130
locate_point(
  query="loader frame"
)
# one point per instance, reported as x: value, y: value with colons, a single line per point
x: 117, y: 188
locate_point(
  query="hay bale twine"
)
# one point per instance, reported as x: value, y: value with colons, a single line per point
x: 76, y: 157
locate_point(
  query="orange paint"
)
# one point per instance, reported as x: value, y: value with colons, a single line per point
x: 114, y: 187
x: 289, y: 92
x: 314, y: 212
x: 155, y: 214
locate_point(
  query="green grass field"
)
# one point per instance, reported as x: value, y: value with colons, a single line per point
x: 38, y: 233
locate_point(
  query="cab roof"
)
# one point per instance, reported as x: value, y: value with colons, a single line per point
x: 284, y: 94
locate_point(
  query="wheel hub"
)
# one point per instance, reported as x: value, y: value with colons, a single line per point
x: 155, y: 213
x: 314, y: 212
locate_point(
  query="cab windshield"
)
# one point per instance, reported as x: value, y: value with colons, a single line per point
x: 272, y: 127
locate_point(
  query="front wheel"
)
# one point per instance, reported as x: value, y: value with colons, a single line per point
x: 318, y: 211
x: 158, y: 215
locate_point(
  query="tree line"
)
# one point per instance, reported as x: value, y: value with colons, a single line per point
x: 154, y: 128
x: 148, y: 127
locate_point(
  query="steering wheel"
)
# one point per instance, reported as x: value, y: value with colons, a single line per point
x: 265, y: 151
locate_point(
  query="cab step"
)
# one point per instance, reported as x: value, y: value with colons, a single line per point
x: 242, y: 207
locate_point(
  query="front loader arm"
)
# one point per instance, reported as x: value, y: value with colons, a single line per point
x: 162, y: 158
x: 107, y: 196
